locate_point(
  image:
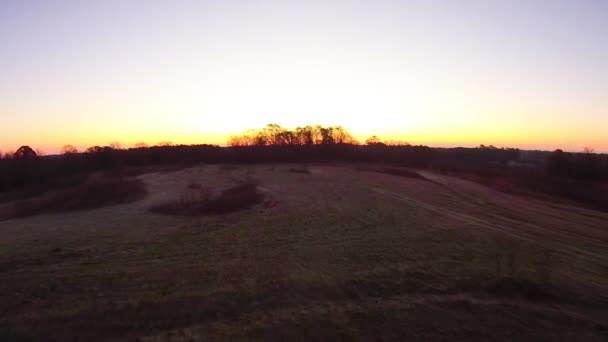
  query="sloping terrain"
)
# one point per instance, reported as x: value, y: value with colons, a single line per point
x: 333, y: 253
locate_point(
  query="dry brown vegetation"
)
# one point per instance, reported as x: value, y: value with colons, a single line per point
x: 203, y: 202
x: 89, y: 195
x: 403, y: 172
x: 301, y: 169
x: 338, y: 254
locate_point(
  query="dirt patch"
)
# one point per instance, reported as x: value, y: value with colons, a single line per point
x: 93, y: 195
x: 202, y: 202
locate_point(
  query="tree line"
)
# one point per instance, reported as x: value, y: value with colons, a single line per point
x: 275, y: 135
x: 25, y: 170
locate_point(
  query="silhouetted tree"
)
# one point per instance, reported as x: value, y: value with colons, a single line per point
x: 9, y: 154
x: 272, y: 134
x: 340, y: 135
x: 94, y: 149
x: 115, y: 145
x: 141, y: 145
x: 327, y: 137
x: 305, y: 135
x: 589, y: 167
x: 373, y: 140
x: 24, y: 153
x: 396, y: 142
x: 68, y: 149
x: 559, y: 163
x: 250, y: 137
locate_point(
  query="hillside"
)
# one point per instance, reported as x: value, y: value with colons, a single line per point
x: 329, y: 252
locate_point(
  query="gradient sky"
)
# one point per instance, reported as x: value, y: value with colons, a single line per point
x: 530, y: 74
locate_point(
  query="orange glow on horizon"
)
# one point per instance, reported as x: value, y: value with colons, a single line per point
x: 447, y: 138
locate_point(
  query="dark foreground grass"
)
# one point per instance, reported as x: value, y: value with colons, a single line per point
x: 85, y: 196
x: 428, y: 306
x: 201, y: 202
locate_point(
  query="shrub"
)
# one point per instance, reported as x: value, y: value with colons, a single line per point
x: 82, y: 197
x: 201, y: 202
x: 404, y: 173
x: 302, y: 169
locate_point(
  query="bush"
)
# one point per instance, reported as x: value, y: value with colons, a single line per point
x: 302, y: 169
x: 201, y: 202
x: 82, y: 197
x: 404, y: 173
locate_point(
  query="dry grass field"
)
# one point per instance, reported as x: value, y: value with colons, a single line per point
x: 328, y: 253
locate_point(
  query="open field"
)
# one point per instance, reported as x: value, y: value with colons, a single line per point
x: 331, y: 252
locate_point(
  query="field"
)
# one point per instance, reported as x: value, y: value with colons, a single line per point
x: 330, y: 252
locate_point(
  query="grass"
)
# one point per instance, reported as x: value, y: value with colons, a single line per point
x: 336, y: 259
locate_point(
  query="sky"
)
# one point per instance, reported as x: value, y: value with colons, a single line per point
x: 530, y: 74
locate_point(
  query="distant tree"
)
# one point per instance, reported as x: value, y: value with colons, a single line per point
x: 94, y: 149
x: 340, y: 135
x: 373, y: 140
x: 141, y: 145
x: 68, y: 149
x: 287, y: 138
x: 305, y: 135
x: 235, y: 140
x: 317, y: 134
x: 559, y: 163
x: 25, y: 152
x: 489, y: 147
x: 9, y: 154
x: 589, y: 165
x: 115, y: 145
x: 165, y: 144
x: 327, y: 137
x: 40, y: 152
x: 272, y: 134
x: 396, y: 142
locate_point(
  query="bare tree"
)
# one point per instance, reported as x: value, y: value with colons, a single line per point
x: 305, y: 135
x: 9, y: 154
x: 588, y: 150
x: 69, y: 149
x: 396, y: 142
x: 373, y: 140
x: 115, y: 145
